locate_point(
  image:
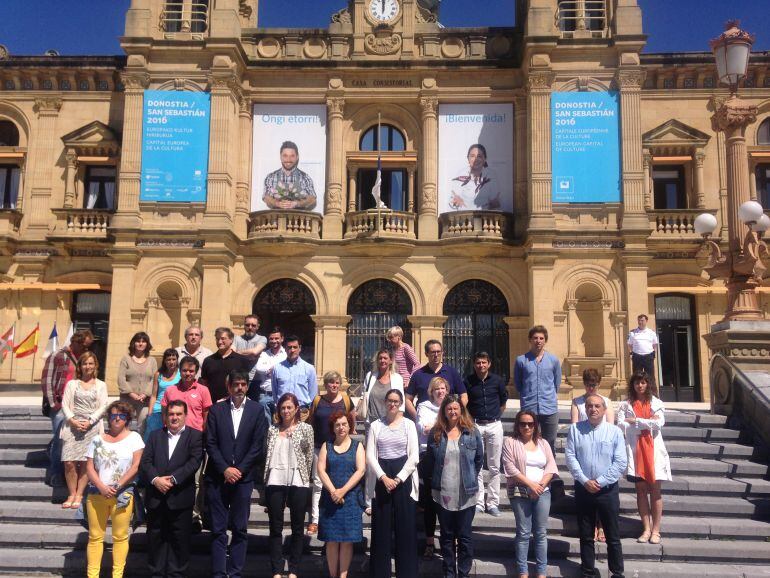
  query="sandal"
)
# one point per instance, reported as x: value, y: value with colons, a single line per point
x: 600, y: 537
x: 76, y: 503
x: 655, y: 538
x: 67, y: 504
x: 430, y: 551
x: 644, y: 538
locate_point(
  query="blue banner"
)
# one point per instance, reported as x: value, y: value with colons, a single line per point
x: 175, y: 146
x: 585, y: 147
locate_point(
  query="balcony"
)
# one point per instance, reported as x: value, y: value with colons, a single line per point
x: 675, y: 224
x: 382, y: 223
x: 81, y: 224
x: 287, y: 223
x: 475, y: 224
x: 10, y: 220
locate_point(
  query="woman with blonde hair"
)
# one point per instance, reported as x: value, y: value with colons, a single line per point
x: 83, y: 406
x: 403, y: 355
x: 377, y: 382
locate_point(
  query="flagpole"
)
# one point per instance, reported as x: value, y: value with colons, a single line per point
x: 10, y: 376
x: 34, y: 355
x: 379, y: 163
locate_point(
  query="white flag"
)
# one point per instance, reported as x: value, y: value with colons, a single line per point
x: 70, y: 333
x: 53, y: 343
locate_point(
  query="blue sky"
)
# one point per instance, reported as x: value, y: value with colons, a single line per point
x: 93, y: 26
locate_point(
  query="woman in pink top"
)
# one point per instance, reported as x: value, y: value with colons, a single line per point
x: 528, y: 465
x: 403, y: 354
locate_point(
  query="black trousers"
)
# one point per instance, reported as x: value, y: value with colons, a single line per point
x: 429, y: 507
x: 456, y: 541
x: 549, y: 426
x: 229, y: 506
x: 393, y: 511
x: 644, y: 363
x: 278, y: 497
x: 605, y: 504
x: 168, y: 534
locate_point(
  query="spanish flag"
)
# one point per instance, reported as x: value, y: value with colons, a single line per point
x: 29, y: 345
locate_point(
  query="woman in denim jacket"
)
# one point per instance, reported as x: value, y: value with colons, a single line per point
x: 455, y: 454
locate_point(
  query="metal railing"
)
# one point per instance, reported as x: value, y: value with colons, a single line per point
x: 184, y: 16
x: 582, y: 18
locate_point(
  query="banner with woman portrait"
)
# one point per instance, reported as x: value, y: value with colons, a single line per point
x: 289, y: 166
x: 475, y: 151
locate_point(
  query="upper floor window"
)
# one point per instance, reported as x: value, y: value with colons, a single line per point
x: 669, y: 187
x: 395, y: 180
x: 100, y: 188
x: 388, y: 139
x: 582, y: 16
x: 9, y: 134
x: 185, y: 16
x: 9, y: 186
x: 763, y: 133
x: 762, y: 173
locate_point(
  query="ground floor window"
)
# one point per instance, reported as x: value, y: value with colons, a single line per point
x: 10, y: 175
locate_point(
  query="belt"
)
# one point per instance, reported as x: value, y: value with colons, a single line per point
x: 486, y: 421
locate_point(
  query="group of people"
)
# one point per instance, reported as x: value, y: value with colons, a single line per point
x: 205, y: 428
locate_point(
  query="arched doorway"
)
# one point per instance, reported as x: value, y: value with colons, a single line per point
x: 374, y: 307
x: 288, y: 304
x: 476, y: 313
x: 91, y: 310
x: 678, y: 375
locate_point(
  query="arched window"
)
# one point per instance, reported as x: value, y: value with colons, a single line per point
x: 389, y: 139
x: 374, y: 307
x: 476, y: 312
x: 395, y: 180
x: 288, y: 304
x: 763, y: 133
x: 10, y: 171
x: 762, y: 170
x: 9, y: 134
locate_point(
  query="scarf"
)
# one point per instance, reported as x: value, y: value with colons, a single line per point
x: 466, y: 179
x: 644, y: 454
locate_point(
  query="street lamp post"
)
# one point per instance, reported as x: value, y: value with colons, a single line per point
x: 741, y: 266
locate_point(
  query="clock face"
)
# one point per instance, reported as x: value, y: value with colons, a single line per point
x: 383, y: 10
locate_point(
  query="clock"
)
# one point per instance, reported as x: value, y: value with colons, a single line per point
x: 383, y: 11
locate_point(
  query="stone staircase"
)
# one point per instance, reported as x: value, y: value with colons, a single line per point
x: 716, y: 520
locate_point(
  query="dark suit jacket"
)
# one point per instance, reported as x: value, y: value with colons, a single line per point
x: 184, y: 462
x: 225, y: 450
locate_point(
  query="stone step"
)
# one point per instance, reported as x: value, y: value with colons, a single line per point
x: 9, y: 427
x: 690, y: 466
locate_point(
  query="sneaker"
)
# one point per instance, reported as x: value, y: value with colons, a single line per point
x: 494, y: 511
x: 479, y: 510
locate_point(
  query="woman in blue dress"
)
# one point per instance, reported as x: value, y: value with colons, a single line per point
x: 341, y: 467
x: 167, y: 375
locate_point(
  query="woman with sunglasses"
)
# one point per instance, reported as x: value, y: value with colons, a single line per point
x: 455, y: 456
x: 377, y: 383
x: 135, y: 377
x: 529, y: 465
x: 113, y: 462
x: 83, y: 405
x: 591, y: 380
x: 392, y: 455
x: 641, y: 417
x: 166, y: 376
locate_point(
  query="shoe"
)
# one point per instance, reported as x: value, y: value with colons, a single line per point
x: 67, y: 504
x: 655, y: 538
x: 479, y: 510
x: 494, y: 511
x: 76, y: 503
x: 312, y: 529
x: 197, y: 527
x: 644, y: 538
x: 430, y: 550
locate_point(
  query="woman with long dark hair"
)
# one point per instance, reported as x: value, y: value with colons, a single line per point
x: 529, y: 466
x: 166, y: 376
x: 455, y: 455
x: 642, y: 417
x: 135, y: 377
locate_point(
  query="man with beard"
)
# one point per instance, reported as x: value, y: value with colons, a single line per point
x: 289, y: 187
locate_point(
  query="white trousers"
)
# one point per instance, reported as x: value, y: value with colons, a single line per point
x: 492, y: 434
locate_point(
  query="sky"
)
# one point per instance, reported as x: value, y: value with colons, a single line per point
x: 92, y: 27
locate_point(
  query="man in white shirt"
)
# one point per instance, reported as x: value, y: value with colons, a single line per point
x: 261, y: 388
x: 642, y: 344
x: 192, y: 347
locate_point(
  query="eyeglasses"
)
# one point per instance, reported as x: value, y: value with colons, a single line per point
x: 439, y: 352
x: 526, y: 424
x: 590, y: 384
x: 393, y: 401
x: 249, y: 324
x: 121, y: 416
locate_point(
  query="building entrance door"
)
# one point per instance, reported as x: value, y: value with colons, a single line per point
x: 678, y: 377
x: 91, y: 310
x: 288, y: 304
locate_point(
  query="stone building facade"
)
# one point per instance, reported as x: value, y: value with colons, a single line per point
x: 78, y: 243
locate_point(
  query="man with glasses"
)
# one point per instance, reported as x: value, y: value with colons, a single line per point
x: 420, y: 379
x: 192, y: 347
x: 596, y: 458
x: 218, y: 365
x: 59, y: 369
x: 295, y: 375
x: 250, y: 345
x: 537, y: 376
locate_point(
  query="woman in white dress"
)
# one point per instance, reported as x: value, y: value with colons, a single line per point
x: 477, y: 188
x: 642, y: 417
x: 83, y: 404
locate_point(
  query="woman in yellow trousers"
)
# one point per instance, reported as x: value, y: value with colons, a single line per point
x: 113, y: 462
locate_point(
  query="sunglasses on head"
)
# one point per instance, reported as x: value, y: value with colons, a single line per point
x: 122, y: 416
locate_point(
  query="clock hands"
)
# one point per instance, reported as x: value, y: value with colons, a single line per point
x: 383, y: 6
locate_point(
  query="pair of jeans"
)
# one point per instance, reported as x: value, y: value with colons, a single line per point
x: 532, y: 518
x: 549, y: 427
x: 229, y: 507
x: 296, y: 498
x: 100, y: 509
x: 456, y: 541
x: 605, y: 504
x: 492, y: 436
x: 55, y: 467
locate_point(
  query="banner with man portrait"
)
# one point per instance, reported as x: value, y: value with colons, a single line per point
x: 475, y: 151
x: 289, y: 148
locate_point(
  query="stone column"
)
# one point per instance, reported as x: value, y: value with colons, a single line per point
x: 215, y: 300
x: 630, y: 84
x: 69, y: 178
x: 520, y: 149
x: 539, y: 150
x: 40, y: 167
x: 427, y: 225
x: 572, y: 327
x: 635, y: 269
x: 410, y: 191
x: 330, y: 338
x: 753, y: 181
x: 219, y: 196
x: 425, y: 327
x: 121, y: 328
x: 648, y: 182
x: 242, y: 197
x: 352, y: 190
x: 540, y: 270
x: 700, y: 192
x: 130, y: 177
x: 335, y: 158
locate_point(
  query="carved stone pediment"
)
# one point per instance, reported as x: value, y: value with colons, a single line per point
x: 675, y: 136
x: 383, y: 43
x: 93, y: 139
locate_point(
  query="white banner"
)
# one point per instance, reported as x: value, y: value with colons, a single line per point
x: 289, y: 147
x: 475, y: 151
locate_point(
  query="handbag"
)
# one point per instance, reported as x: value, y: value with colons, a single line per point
x: 362, y: 408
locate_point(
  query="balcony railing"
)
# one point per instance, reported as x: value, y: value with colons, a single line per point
x: 285, y: 223
x: 10, y: 219
x: 82, y: 223
x: 382, y: 223
x: 474, y: 224
x: 179, y: 16
x: 675, y: 223
x: 582, y: 18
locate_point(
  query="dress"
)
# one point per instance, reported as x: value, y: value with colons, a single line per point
x: 155, y: 419
x: 82, y: 403
x: 341, y: 523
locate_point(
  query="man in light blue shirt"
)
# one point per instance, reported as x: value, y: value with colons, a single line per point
x: 537, y: 376
x: 596, y: 458
x: 295, y: 375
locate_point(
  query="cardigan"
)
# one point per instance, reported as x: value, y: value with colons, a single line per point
x: 302, y: 440
x: 632, y: 431
x: 373, y: 470
x: 514, y: 459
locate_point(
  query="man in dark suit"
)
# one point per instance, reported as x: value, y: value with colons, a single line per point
x: 169, y: 462
x: 235, y: 442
